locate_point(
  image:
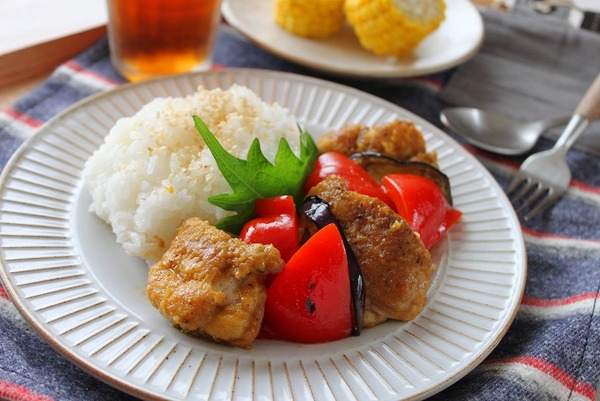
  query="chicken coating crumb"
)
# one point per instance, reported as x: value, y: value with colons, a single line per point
x: 399, y: 139
x: 396, y: 266
x: 209, y: 283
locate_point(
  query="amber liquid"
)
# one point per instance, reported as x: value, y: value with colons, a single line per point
x: 159, y: 37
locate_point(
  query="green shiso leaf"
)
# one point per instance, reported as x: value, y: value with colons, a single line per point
x: 256, y: 177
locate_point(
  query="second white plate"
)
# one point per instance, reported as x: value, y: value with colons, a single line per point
x: 67, y: 275
x: 454, y: 42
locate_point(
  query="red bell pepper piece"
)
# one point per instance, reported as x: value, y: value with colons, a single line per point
x: 422, y: 203
x: 276, y: 223
x: 309, y: 301
x: 356, y: 178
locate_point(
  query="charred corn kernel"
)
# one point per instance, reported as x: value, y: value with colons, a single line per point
x: 393, y: 27
x: 310, y: 18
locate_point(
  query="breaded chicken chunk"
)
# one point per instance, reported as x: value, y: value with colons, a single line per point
x: 399, y: 139
x: 396, y: 266
x: 209, y: 283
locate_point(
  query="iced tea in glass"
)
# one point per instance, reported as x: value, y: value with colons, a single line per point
x: 160, y: 37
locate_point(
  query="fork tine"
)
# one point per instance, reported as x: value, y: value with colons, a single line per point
x: 530, y: 191
x: 515, y: 183
x: 522, y: 187
x: 538, y: 193
x: 548, y: 201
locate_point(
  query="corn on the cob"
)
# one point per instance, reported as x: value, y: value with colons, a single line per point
x: 393, y: 27
x: 310, y: 18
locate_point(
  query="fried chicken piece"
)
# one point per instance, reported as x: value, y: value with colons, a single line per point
x: 209, y: 283
x: 396, y: 266
x: 344, y: 140
x: 399, y: 139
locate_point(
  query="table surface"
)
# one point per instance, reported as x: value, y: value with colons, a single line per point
x: 62, y: 30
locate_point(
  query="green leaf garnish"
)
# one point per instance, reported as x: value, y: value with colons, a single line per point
x: 256, y: 177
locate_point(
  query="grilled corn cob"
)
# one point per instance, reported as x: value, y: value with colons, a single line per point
x: 310, y: 18
x: 393, y: 27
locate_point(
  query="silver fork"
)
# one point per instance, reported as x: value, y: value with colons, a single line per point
x: 544, y: 177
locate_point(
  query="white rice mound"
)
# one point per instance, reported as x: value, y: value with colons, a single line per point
x: 154, y: 170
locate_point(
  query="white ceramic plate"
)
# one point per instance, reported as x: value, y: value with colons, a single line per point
x: 75, y: 285
x: 455, y: 41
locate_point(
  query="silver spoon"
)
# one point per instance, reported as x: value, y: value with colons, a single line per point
x: 495, y: 132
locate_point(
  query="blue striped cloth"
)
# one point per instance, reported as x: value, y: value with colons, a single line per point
x: 552, y: 350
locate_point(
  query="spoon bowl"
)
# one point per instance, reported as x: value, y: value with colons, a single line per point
x: 495, y: 132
